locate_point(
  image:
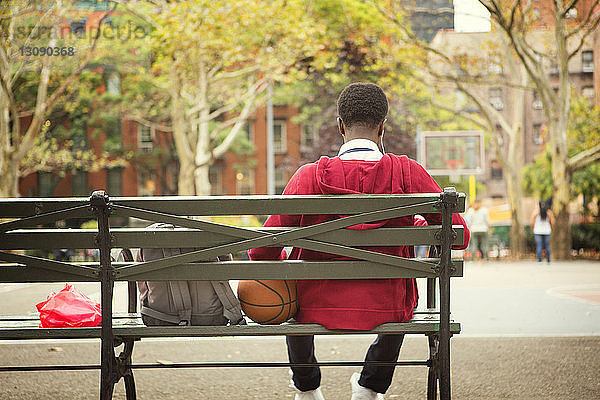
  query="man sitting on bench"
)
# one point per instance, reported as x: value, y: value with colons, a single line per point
x: 362, y: 166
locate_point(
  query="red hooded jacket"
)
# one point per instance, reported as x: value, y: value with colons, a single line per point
x: 355, y: 304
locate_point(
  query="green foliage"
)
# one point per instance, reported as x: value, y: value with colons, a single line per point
x: 584, y: 125
x: 583, y: 236
x: 241, y: 146
x: 537, y: 177
x: 586, y: 236
x: 362, y: 46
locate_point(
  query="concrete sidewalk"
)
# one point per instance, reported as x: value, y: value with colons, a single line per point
x: 530, y: 331
x: 483, y: 368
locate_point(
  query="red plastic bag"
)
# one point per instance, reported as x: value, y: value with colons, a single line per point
x: 69, y: 308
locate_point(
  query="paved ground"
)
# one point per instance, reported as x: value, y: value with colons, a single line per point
x: 483, y: 368
x: 529, y: 332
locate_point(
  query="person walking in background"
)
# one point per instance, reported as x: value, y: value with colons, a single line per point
x: 478, y: 220
x: 421, y: 251
x: 542, y: 221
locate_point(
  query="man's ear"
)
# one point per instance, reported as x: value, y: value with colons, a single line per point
x: 381, y: 129
x: 341, y: 126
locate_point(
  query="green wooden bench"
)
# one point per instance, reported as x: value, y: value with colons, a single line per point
x: 22, y: 231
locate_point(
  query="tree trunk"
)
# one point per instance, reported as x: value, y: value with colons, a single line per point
x: 9, y: 184
x: 515, y: 162
x: 185, y: 184
x: 515, y: 196
x: 561, y: 177
x: 202, y: 181
x: 203, y: 157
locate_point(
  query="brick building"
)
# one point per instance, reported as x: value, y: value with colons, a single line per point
x: 583, y: 71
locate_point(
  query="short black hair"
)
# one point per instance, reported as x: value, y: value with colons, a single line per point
x: 362, y: 104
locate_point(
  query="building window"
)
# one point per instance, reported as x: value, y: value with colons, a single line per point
x: 113, y: 84
x: 145, y: 138
x: 496, y: 98
x: 281, y: 180
x: 538, y: 134
x: 45, y: 184
x: 279, y: 136
x: 587, y: 61
x: 145, y: 183
x: 588, y: 92
x: 308, y: 138
x: 495, y: 66
x: 79, y: 183
x: 78, y: 27
x: 113, y: 142
x: 248, y: 131
x: 79, y: 135
x: 215, y: 177
x: 496, y: 170
x: 537, y: 102
x: 245, y: 182
x: 114, y: 181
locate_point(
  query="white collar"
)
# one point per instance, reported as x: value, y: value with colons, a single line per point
x: 360, y: 149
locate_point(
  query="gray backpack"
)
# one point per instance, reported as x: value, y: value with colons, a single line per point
x: 184, y: 302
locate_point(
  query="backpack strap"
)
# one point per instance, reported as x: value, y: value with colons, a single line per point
x: 126, y: 255
x: 180, y: 294
x: 231, y: 305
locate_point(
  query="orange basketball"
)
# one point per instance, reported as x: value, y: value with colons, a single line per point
x: 269, y: 302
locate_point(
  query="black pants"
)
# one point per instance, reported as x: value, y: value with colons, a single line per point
x: 301, y: 349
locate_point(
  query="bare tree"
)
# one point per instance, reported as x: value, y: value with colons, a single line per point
x: 564, y: 40
x: 14, y: 63
x: 464, y: 68
x: 215, y: 77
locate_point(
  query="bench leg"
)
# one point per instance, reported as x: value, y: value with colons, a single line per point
x: 120, y: 367
x: 124, y: 363
x: 433, y: 371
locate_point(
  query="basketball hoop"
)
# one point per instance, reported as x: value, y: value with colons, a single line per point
x: 452, y: 153
x: 453, y: 168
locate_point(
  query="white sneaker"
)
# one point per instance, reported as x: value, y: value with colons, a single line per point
x: 310, y: 395
x: 362, y: 393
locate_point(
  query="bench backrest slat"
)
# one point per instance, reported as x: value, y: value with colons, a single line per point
x: 237, y: 270
x: 231, y: 205
x: 217, y: 239
x: 186, y: 238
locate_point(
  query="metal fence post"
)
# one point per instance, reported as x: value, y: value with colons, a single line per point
x: 448, y: 203
x: 99, y: 202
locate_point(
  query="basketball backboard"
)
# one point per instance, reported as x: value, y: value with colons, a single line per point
x: 451, y: 152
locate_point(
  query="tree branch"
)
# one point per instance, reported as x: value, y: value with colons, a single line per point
x: 44, y: 106
x: 131, y: 10
x: 568, y: 7
x: 27, y: 41
x: 582, y: 40
x: 583, y: 159
x: 150, y: 124
x: 248, y: 108
x: 585, y: 21
x: 235, y: 74
x: 461, y: 113
x: 58, y: 92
